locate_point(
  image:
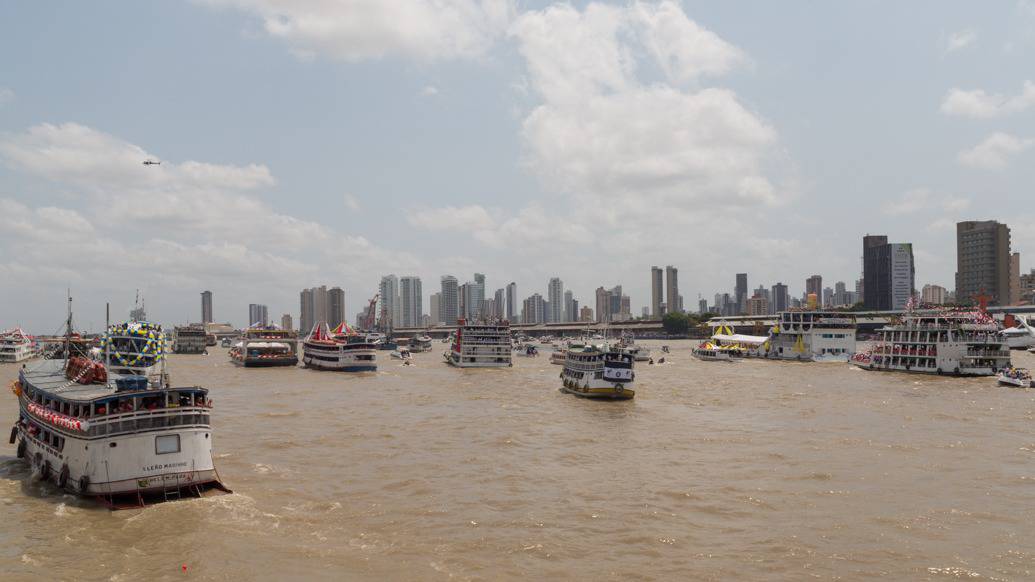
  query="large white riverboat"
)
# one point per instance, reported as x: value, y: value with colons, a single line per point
x: 266, y: 347
x: 114, y: 428
x: 598, y: 372
x: 342, y: 350
x: 818, y: 336
x: 17, y: 346
x: 480, y: 346
x: 190, y: 339
x: 944, y: 341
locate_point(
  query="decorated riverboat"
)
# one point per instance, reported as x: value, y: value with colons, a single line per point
x: 190, y: 339
x: 939, y: 341
x: 113, y: 427
x: 17, y: 346
x: 343, y: 349
x: 480, y: 346
x: 266, y: 347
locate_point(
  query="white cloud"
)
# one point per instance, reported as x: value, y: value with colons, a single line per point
x: 603, y: 134
x: 994, y: 152
x: 352, y: 203
x: 464, y: 218
x: 355, y: 30
x: 960, y: 40
x: 429, y: 91
x: 922, y: 199
x: 179, y: 226
x: 6, y: 96
x: 981, y: 105
x: 910, y: 201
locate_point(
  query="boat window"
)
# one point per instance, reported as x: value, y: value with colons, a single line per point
x: 165, y: 444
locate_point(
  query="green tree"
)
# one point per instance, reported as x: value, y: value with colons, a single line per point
x: 676, y: 323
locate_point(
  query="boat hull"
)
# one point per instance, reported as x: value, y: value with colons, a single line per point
x: 266, y: 362
x: 616, y: 392
x: 124, y: 465
x: 965, y: 373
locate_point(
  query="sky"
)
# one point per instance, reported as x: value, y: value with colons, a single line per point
x: 322, y: 142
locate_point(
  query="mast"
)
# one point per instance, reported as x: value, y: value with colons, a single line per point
x: 107, y: 324
x: 68, y: 328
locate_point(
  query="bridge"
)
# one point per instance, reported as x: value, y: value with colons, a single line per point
x: 639, y: 328
x: 868, y: 321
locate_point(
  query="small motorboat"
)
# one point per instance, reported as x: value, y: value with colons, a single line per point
x: 401, y: 354
x: 531, y: 351
x: 709, y: 353
x: 1018, y: 377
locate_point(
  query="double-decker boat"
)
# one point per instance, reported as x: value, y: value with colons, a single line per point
x: 598, y: 372
x: 266, y: 347
x: 942, y: 341
x: 190, y: 339
x: 343, y: 350
x: 484, y: 345
x: 17, y: 346
x: 818, y: 336
x: 114, y: 428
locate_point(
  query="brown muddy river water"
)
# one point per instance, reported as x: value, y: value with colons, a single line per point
x: 752, y: 470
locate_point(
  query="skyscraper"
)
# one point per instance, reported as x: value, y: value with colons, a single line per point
x: 814, y: 285
x: 335, y: 307
x: 603, y: 311
x: 982, y: 262
x: 391, y: 310
x: 286, y: 322
x: 671, y: 288
x: 450, y: 300
x: 741, y: 292
x: 702, y: 306
x: 571, y: 310
x: 476, y: 296
x: 411, y: 301
x: 657, y: 290
x: 206, y: 307
x: 1015, y: 279
x: 511, y: 310
x: 258, y: 315
x: 555, y: 295
x: 780, y: 298
x: 307, y: 315
x: 499, y: 302
x: 534, y: 309
x: 434, y: 304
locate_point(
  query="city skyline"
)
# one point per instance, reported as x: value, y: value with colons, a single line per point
x: 457, y: 152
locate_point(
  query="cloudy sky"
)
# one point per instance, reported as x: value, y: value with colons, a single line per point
x: 308, y: 142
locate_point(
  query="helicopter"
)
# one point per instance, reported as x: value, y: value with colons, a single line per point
x: 152, y: 163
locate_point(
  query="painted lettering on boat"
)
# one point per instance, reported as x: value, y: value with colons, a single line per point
x: 165, y: 466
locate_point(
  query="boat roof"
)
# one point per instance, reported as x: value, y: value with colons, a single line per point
x: 740, y: 338
x: 49, y: 376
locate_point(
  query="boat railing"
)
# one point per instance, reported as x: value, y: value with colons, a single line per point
x: 139, y: 420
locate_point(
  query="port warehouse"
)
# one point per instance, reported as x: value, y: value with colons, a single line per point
x: 868, y: 322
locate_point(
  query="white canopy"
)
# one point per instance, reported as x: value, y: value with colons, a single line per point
x: 752, y: 340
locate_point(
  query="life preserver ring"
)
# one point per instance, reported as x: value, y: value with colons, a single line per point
x: 63, y: 476
x: 21, y: 449
x: 84, y: 482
